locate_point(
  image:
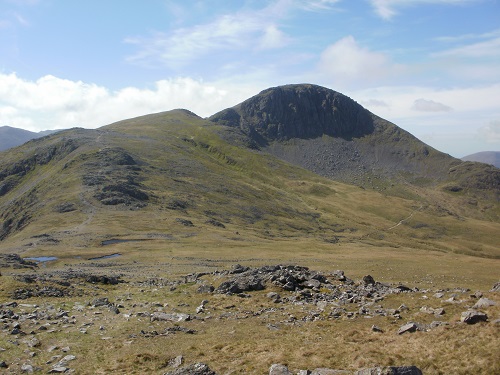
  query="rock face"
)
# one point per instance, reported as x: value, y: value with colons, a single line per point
x: 297, y: 111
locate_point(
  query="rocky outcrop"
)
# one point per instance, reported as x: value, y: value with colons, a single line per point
x: 297, y: 111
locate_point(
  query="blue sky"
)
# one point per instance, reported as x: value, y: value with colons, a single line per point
x: 430, y: 66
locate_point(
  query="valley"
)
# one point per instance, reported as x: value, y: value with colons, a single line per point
x: 330, y: 227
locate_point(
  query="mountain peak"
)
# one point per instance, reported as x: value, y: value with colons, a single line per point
x: 298, y: 111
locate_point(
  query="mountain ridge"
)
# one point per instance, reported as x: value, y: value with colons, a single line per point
x: 12, y: 137
x: 172, y: 169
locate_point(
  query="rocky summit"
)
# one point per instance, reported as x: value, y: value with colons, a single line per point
x: 295, y: 233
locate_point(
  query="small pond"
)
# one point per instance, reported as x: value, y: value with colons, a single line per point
x: 106, y: 256
x: 116, y: 240
x: 41, y: 259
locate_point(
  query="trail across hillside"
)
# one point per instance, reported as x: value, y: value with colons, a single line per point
x: 407, y: 218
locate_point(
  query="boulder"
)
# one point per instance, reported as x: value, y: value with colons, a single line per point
x: 279, y: 369
x: 410, y: 327
x: 402, y: 370
x: 368, y: 280
x: 473, y: 317
x: 484, y: 303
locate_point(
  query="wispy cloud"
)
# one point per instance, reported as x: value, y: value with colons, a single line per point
x: 487, y: 48
x: 387, y: 9
x: 425, y: 105
x: 228, y: 32
x: 317, y: 5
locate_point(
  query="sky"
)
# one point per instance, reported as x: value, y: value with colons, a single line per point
x: 431, y: 67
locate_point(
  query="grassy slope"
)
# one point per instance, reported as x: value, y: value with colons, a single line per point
x: 273, y: 213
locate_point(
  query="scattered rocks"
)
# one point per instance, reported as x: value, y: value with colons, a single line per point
x: 473, y: 317
x: 170, y: 317
x: 279, y: 369
x: 195, y: 369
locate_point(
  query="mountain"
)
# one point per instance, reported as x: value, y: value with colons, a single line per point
x: 488, y: 157
x: 12, y: 137
x: 293, y: 162
x: 330, y: 134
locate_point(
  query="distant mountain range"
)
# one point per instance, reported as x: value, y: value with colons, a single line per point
x: 488, y: 157
x: 12, y: 137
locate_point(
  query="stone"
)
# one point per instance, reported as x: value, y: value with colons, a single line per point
x: 484, y: 303
x: 27, y: 368
x: 496, y: 287
x: 34, y: 343
x: 410, y: 327
x: 402, y: 370
x: 377, y: 329
x: 279, y: 369
x: 329, y: 371
x: 195, y: 369
x: 170, y: 317
x: 101, y: 302
x: 176, y: 362
x: 473, y: 317
x: 368, y: 280
x: 58, y: 370
x: 205, y: 288
x: 3, y: 364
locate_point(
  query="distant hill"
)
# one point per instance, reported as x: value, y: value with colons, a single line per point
x: 12, y: 137
x: 488, y: 157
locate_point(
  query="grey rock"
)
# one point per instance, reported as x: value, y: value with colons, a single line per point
x: 58, y: 370
x: 328, y: 371
x: 101, y: 302
x: 176, y: 362
x: 402, y: 370
x: 279, y: 369
x: 170, y: 317
x: 377, y: 329
x: 410, y: 327
x: 473, y: 317
x: 27, y: 368
x: 496, y: 287
x: 205, y: 288
x: 195, y: 369
x: 484, y: 303
x: 3, y: 364
x: 368, y: 280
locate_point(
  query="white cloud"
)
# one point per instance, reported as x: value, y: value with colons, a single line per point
x: 227, y: 33
x: 388, y: 8
x: 54, y: 103
x: 488, y: 48
x: 347, y: 64
x: 425, y: 105
x: 491, y: 132
x: 317, y: 5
